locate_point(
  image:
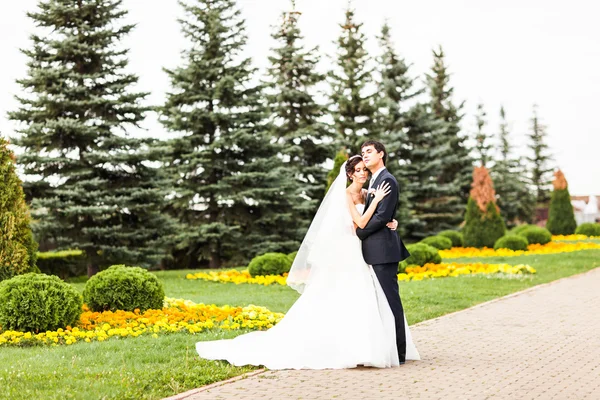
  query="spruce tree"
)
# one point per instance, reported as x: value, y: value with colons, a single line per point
x: 339, y: 159
x: 540, y: 159
x: 296, y: 117
x: 353, y: 99
x: 102, y: 198
x: 17, y: 247
x: 458, y: 163
x: 231, y: 191
x: 482, y: 146
x: 561, y: 219
x: 516, y: 202
x: 396, y: 93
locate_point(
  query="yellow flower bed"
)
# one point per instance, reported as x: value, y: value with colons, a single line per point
x: 573, y: 237
x: 416, y: 273
x: 549, y: 248
x: 237, y: 277
x: 177, y: 315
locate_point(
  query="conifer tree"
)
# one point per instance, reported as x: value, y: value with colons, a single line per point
x: 231, y: 191
x: 353, y: 101
x: 95, y: 192
x: 296, y: 116
x: 561, y: 219
x: 458, y: 163
x: 17, y: 247
x: 515, y: 201
x: 340, y: 157
x: 540, y: 159
x: 482, y: 146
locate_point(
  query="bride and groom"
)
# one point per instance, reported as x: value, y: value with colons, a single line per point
x: 349, y: 312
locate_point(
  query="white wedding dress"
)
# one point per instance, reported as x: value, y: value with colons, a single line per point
x: 341, y: 320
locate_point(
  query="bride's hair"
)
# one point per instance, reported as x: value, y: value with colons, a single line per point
x: 351, y: 164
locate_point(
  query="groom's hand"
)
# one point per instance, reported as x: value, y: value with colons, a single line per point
x: 383, y: 213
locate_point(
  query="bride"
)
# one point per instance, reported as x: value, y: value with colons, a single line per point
x: 342, y: 319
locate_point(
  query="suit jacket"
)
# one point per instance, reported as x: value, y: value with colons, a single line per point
x: 381, y: 245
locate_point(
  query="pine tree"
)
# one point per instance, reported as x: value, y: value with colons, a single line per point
x: 296, y: 117
x: 540, y: 160
x: 482, y: 146
x: 516, y: 202
x: 396, y: 93
x: 231, y: 191
x: 102, y: 198
x: 17, y: 247
x: 458, y: 163
x: 340, y: 158
x: 353, y: 101
x: 561, y: 219
x: 427, y: 196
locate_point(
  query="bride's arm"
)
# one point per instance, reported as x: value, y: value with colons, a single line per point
x: 362, y: 220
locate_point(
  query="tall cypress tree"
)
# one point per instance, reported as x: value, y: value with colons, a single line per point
x: 230, y: 190
x: 102, y: 198
x: 458, y: 164
x: 353, y: 102
x: 482, y: 146
x: 17, y: 247
x: 396, y: 92
x: 540, y: 159
x: 515, y: 200
x: 296, y: 117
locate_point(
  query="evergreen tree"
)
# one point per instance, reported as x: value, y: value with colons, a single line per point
x: 102, y: 198
x: 230, y: 189
x: 353, y: 101
x: 396, y: 92
x: 427, y: 196
x: 540, y: 160
x: 561, y: 219
x: 458, y: 164
x: 482, y: 146
x: 515, y: 200
x: 17, y: 247
x: 340, y: 158
x: 296, y: 117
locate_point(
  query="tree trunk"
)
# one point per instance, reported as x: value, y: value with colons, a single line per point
x: 92, y: 269
x: 215, y: 260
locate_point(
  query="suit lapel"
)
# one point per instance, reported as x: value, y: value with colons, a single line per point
x: 369, y: 197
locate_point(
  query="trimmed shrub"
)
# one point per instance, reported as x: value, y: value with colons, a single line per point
x: 421, y: 254
x: 536, y: 235
x: 456, y: 237
x: 520, y: 228
x: 439, y: 242
x: 561, y: 219
x: 292, y: 257
x: 37, y: 302
x: 588, y: 229
x: 269, y: 264
x: 512, y: 242
x: 482, y: 229
x: 17, y: 247
x: 124, y: 288
x: 64, y: 264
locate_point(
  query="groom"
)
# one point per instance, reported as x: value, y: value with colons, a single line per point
x: 382, y: 247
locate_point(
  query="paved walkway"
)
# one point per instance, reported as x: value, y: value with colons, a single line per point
x: 543, y: 343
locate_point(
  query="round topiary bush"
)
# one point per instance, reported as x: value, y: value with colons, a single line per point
x: 124, y: 288
x: 439, y: 242
x: 455, y: 236
x: 292, y: 257
x: 588, y: 229
x: 512, y: 242
x: 421, y: 254
x: 37, y: 302
x: 536, y: 235
x: 520, y: 228
x: 270, y: 264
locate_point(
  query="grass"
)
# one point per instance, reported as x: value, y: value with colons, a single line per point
x: 148, y: 368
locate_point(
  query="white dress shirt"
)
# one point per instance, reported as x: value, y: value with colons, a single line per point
x: 374, y: 177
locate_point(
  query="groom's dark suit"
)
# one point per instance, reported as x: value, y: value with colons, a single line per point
x: 383, y: 249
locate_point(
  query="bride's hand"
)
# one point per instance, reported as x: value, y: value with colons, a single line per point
x: 382, y: 191
x: 392, y: 225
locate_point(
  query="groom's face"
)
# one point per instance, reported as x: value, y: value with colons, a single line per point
x: 371, y: 157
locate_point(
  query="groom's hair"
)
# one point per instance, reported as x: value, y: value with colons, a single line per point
x: 379, y: 147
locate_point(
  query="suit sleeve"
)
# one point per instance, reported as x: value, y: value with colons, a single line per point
x: 383, y: 213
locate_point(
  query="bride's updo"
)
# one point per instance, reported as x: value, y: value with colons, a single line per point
x: 350, y: 165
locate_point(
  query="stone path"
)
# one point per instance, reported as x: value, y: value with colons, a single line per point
x: 543, y: 343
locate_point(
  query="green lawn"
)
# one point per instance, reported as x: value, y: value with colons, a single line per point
x: 145, y: 367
